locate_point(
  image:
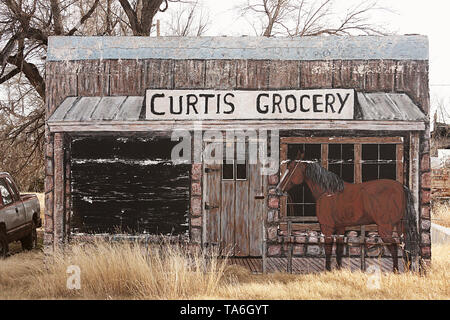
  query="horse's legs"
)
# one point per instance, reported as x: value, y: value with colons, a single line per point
x: 339, y: 246
x: 328, y: 232
x: 385, y: 232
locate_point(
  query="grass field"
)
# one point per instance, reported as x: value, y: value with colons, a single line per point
x: 441, y: 213
x: 127, y: 271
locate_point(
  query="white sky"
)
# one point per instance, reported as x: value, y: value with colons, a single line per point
x: 429, y: 17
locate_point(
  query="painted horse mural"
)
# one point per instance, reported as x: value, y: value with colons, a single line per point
x: 386, y: 203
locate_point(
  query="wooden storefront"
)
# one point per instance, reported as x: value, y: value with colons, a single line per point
x: 100, y: 92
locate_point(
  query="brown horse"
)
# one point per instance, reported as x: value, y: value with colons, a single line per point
x: 386, y: 203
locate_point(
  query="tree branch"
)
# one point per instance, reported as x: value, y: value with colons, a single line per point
x: 84, y: 18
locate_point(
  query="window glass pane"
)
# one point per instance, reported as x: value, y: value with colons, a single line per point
x: 369, y: 172
x: 6, y: 196
x: 313, y: 152
x: 241, y: 171
x: 388, y: 152
x: 335, y: 168
x: 295, y: 209
x: 296, y: 194
x: 15, y: 193
x: 228, y: 171
x: 309, y: 210
x: 370, y: 151
x: 293, y: 150
x: 301, y: 198
x: 388, y: 171
x: 348, y: 173
x: 348, y: 152
x: 334, y: 151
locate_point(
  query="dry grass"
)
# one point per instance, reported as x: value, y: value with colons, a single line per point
x: 127, y: 271
x: 441, y: 213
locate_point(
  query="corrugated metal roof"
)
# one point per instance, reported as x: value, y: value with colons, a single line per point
x: 388, y: 106
x: 85, y: 109
x: 371, y: 106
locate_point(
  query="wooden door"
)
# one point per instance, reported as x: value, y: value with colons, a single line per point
x: 234, y: 203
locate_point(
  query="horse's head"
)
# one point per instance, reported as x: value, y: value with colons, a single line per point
x: 294, y: 174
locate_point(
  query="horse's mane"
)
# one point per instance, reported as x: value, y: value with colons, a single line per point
x: 328, y: 181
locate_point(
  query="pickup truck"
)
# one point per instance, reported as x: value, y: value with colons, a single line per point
x: 19, y: 216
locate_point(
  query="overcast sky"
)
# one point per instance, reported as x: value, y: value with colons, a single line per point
x: 431, y: 18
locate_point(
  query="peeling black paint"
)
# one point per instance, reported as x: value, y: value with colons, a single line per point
x: 128, y: 185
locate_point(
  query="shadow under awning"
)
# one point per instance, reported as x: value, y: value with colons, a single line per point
x: 373, y: 111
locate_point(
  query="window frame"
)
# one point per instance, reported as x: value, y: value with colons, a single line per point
x: 311, y: 223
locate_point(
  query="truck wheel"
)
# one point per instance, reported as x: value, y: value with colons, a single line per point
x: 3, y: 245
x: 30, y: 241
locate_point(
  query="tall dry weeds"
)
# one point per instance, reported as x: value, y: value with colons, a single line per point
x: 131, y: 271
x: 441, y: 213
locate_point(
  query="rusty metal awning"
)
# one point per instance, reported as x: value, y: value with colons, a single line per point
x: 374, y: 111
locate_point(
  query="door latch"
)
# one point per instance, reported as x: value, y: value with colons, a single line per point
x: 208, y: 207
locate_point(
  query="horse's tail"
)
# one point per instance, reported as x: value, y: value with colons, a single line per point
x: 411, y: 233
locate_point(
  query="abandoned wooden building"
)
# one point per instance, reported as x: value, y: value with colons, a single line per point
x: 359, y: 106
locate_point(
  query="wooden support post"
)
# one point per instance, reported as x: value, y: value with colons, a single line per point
x: 363, y: 248
x: 290, y: 247
x: 264, y: 248
x: 414, y: 147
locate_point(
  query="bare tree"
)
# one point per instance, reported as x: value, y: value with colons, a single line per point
x: 188, y: 20
x: 309, y: 17
x: 141, y: 13
x: 25, y: 26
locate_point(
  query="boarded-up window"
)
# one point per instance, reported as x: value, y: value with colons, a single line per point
x: 128, y: 185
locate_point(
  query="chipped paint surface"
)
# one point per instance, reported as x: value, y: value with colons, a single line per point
x: 413, y: 47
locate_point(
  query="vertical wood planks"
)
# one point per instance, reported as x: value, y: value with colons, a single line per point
x: 220, y: 74
x: 380, y: 76
x: 189, y: 74
x: 257, y: 208
x: 93, y: 78
x: 242, y: 216
x: 157, y: 74
x: 284, y: 74
x: 252, y: 74
x: 316, y: 74
x: 212, y: 194
x: 349, y: 74
x: 412, y: 78
x: 125, y: 78
x: 228, y: 229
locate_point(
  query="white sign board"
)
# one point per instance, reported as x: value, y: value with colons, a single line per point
x: 337, y: 104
